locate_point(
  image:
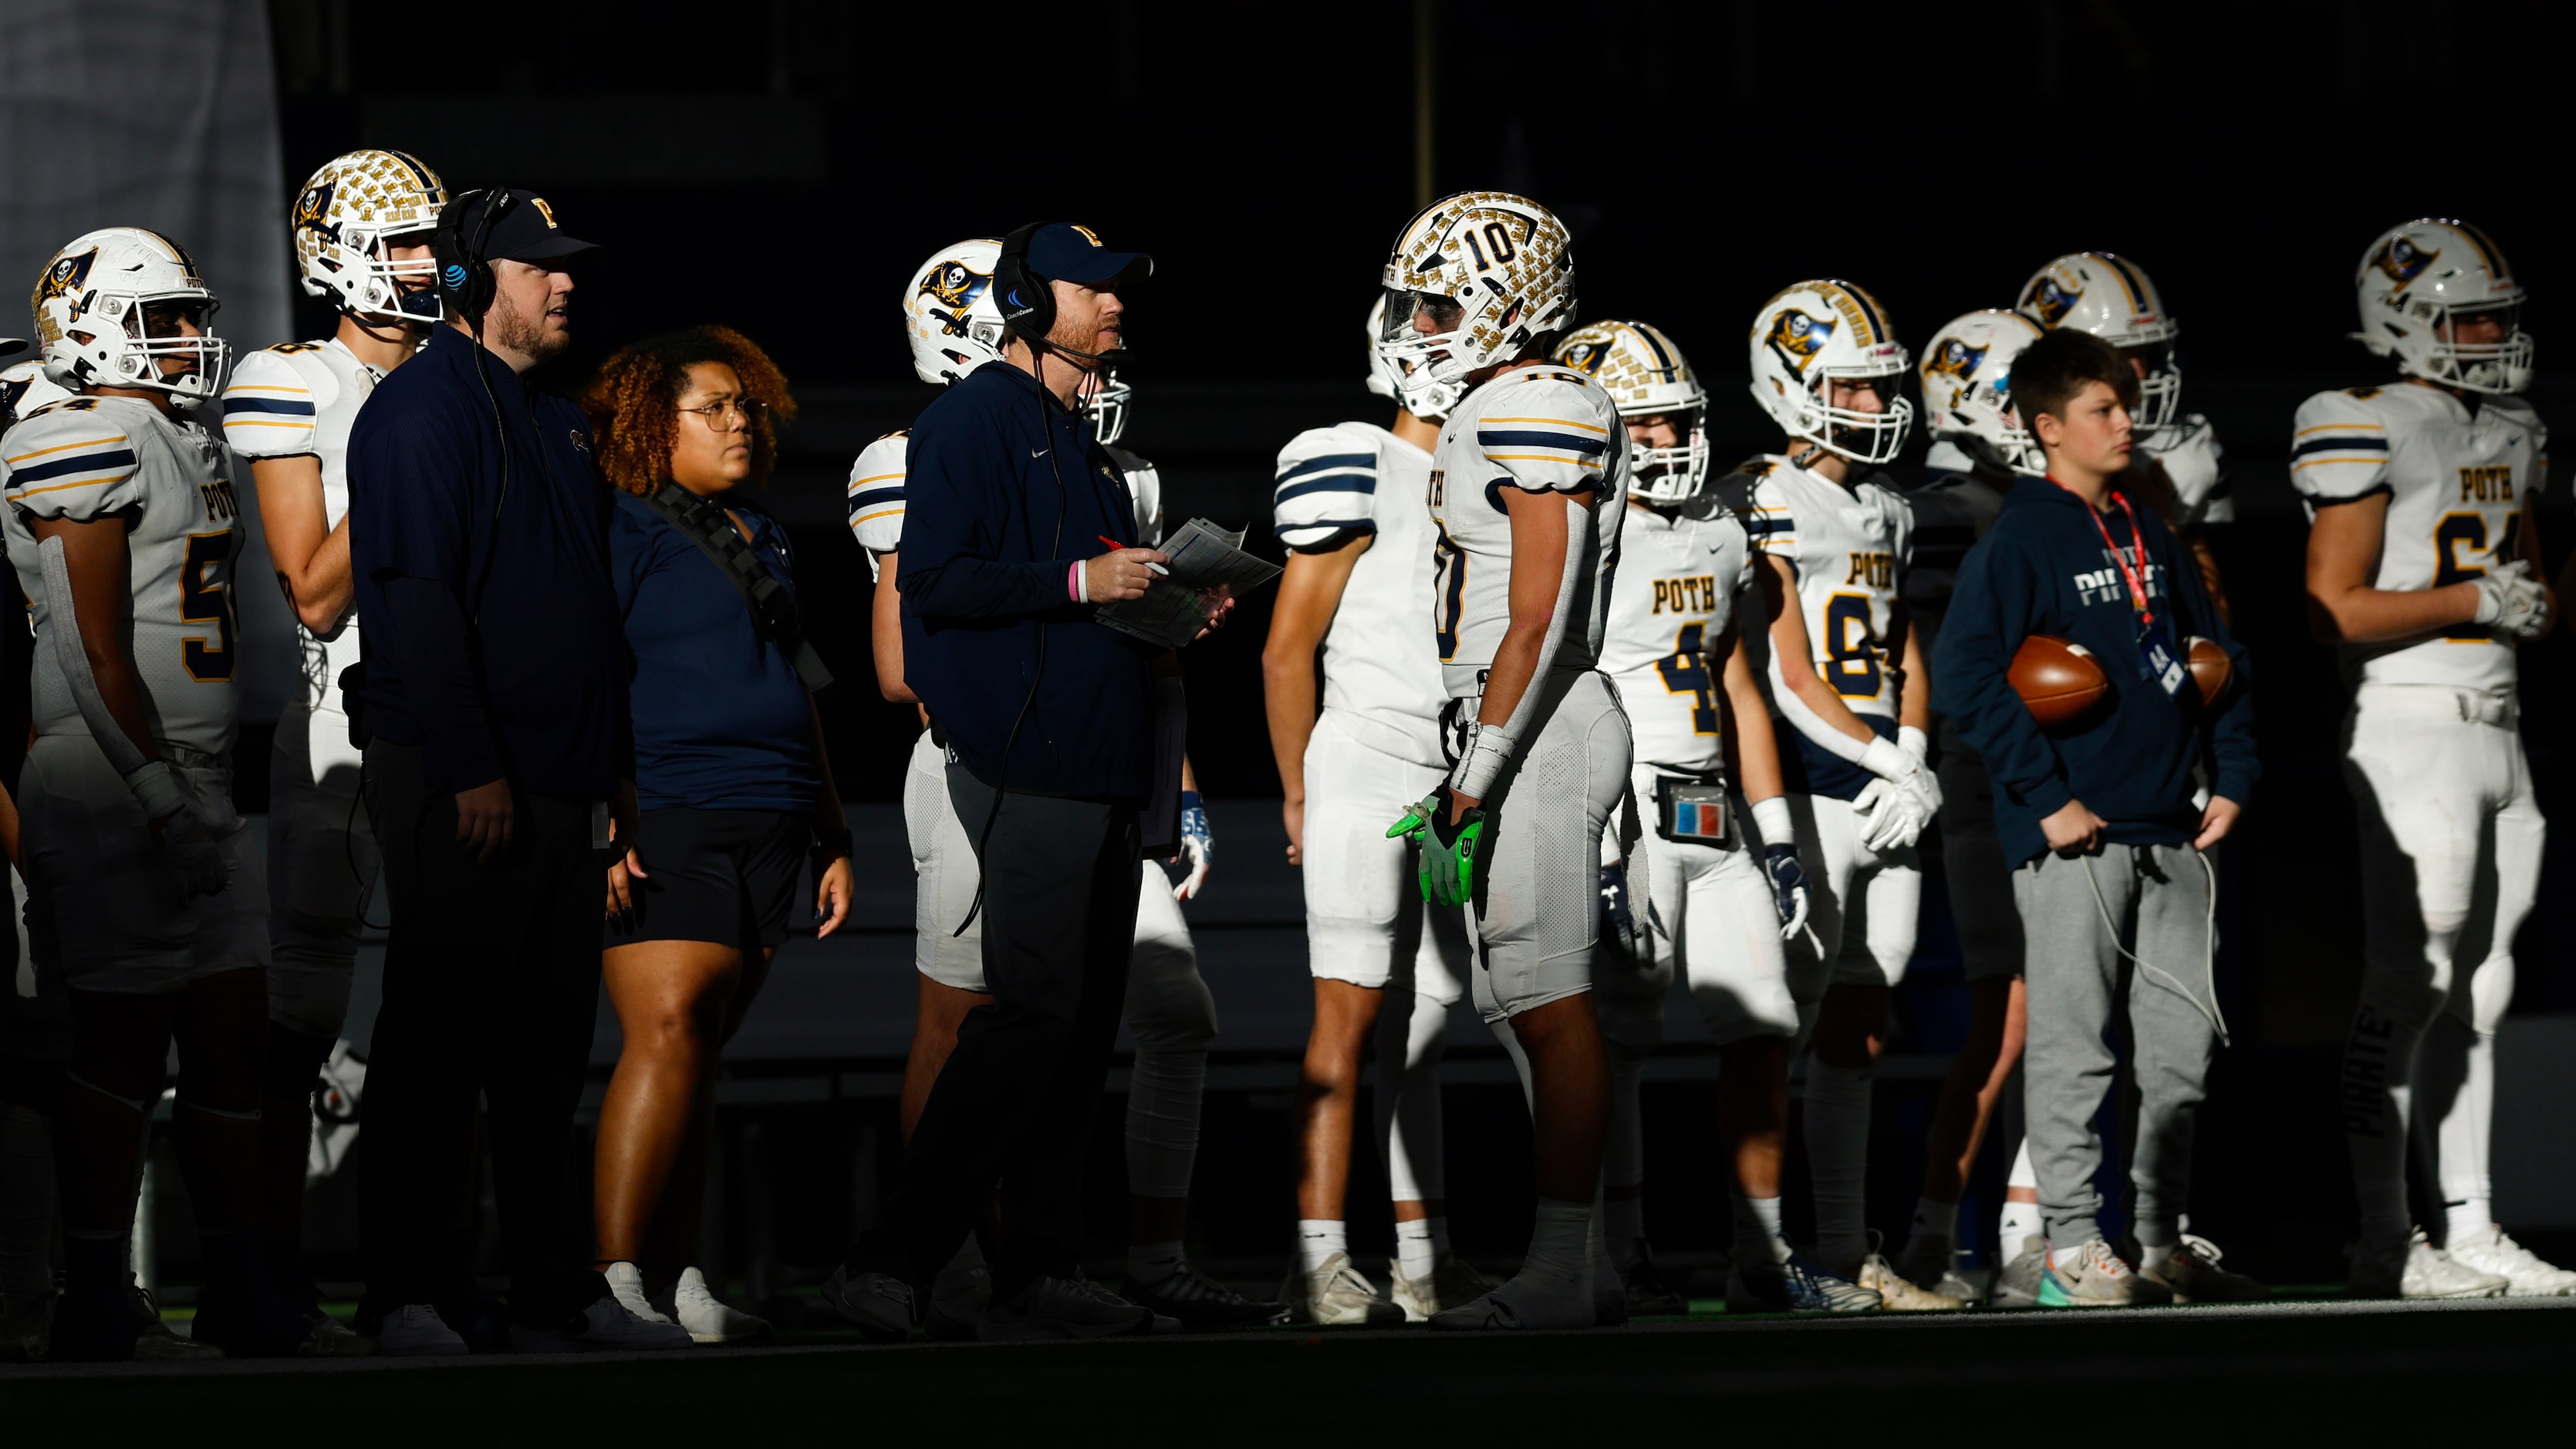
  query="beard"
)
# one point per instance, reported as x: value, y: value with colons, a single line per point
x: 523, y: 334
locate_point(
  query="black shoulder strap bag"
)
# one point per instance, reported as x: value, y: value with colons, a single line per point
x: 773, y: 608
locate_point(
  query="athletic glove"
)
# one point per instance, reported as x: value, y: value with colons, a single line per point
x: 1788, y: 887
x: 185, y: 841
x: 1619, y: 924
x: 1448, y: 851
x: 1198, y: 846
x: 2511, y: 601
x: 1895, y: 807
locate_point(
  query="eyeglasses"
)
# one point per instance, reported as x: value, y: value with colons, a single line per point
x: 714, y: 414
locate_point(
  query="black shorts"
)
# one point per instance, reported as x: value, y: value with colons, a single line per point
x: 726, y: 876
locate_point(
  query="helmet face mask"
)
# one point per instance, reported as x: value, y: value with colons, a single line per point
x: 1967, y: 389
x: 348, y: 219
x: 97, y: 336
x: 1105, y: 400
x: 1814, y: 335
x: 1430, y: 400
x: 1649, y: 379
x: 2114, y: 299
x: 1489, y: 274
x: 949, y: 315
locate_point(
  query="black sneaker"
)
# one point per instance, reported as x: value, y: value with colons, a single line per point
x: 1199, y: 1301
x: 1067, y: 1308
x: 879, y: 1305
x: 1650, y: 1293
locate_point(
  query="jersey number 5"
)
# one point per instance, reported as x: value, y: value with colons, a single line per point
x: 1685, y: 671
x: 2468, y: 530
x: 1851, y: 647
x: 206, y: 596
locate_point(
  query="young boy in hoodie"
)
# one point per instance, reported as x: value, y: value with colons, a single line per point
x: 2109, y: 822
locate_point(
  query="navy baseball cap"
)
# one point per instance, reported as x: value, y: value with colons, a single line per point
x: 1063, y: 252
x: 528, y: 231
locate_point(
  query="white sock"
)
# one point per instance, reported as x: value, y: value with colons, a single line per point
x: 1623, y: 1223
x: 2019, y: 1221
x: 1560, y: 1251
x: 1152, y: 1263
x: 1757, y: 1228
x: 1838, y: 1161
x: 1416, y: 1255
x: 2377, y: 1098
x: 1317, y: 1240
x: 1936, y: 1228
x: 2156, y: 1241
x: 2461, y: 1139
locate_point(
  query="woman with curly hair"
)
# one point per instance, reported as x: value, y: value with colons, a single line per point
x: 731, y: 776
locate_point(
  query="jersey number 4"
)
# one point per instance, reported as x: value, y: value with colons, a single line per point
x: 2457, y: 531
x: 206, y: 597
x: 1686, y: 671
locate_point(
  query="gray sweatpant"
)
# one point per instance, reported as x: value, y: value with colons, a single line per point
x: 2157, y: 899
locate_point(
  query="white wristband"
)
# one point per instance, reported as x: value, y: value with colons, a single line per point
x: 158, y: 790
x: 1489, y: 748
x: 1885, y: 760
x: 1771, y: 821
x: 1914, y: 743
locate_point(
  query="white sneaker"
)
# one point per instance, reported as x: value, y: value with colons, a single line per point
x: 2092, y: 1276
x: 2017, y: 1286
x: 604, y: 1327
x: 626, y: 1285
x: 2529, y: 1276
x: 1336, y: 1294
x: 1523, y: 1304
x: 959, y: 1296
x: 709, y: 1319
x: 2412, y: 1267
x: 416, y: 1331
x: 1899, y: 1294
x: 1452, y: 1281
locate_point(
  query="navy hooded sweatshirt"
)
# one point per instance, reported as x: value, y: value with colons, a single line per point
x: 2043, y: 569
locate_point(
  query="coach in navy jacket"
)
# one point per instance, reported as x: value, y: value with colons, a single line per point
x: 2042, y: 569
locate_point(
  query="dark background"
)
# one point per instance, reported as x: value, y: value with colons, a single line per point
x: 781, y: 167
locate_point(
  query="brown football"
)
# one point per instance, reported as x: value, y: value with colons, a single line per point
x: 2058, y: 681
x: 2211, y: 670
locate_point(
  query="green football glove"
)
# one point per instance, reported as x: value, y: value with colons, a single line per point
x: 1448, y: 852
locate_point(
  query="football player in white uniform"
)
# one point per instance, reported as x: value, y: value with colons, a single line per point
x: 1352, y: 505
x: 123, y: 525
x: 1979, y: 449
x: 1708, y: 898
x: 361, y: 229
x: 2179, y: 469
x: 954, y: 327
x: 1847, y: 673
x: 1527, y: 490
x: 2423, y: 560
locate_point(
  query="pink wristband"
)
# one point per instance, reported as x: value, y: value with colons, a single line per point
x: 1073, y: 585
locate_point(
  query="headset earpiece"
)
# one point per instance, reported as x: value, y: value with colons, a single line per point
x: 464, y: 278
x: 1027, y: 301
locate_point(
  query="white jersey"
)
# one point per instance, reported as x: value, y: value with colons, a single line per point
x: 1671, y: 604
x: 1541, y: 429
x: 2195, y: 466
x: 2456, y: 483
x: 298, y: 399
x: 1380, y: 669
x: 1848, y: 549
x: 96, y: 457
x: 25, y: 388
x: 875, y: 496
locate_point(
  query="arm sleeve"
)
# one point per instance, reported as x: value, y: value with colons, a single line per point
x: 1325, y: 489
x: 270, y: 407
x: 437, y: 663
x: 72, y: 463
x: 953, y: 527
x: 1548, y: 436
x: 2338, y: 449
x: 1990, y: 615
x: 876, y: 492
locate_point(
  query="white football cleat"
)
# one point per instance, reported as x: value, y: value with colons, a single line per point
x: 709, y: 1319
x: 626, y: 1285
x: 2526, y: 1272
x: 2411, y: 1267
x: 1336, y: 1294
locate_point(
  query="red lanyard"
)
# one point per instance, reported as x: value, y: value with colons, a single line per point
x: 2136, y: 577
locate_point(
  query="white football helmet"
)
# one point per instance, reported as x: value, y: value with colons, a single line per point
x: 91, y: 305
x: 349, y: 212
x: 1647, y: 376
x: 1825, y: 329
x: 2416, y: 279
x: 1386, y: 377
x: 948, y: 311
x: 2114, y: 299
x: 24, y: 388
x: 1967, y: 388
x: 1492, y: 273
x: 1105, y: 399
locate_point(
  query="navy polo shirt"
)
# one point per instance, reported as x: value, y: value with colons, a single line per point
x: 721, y: 720
x: 534, y: 626
x: 1006, y: 489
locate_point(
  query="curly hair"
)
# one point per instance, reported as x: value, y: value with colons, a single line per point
x: 634, y: 402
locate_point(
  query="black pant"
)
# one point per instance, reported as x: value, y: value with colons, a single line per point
x: 1014, y: 1103
x: 491, y: 990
